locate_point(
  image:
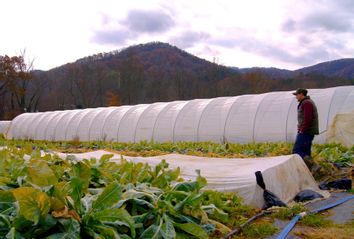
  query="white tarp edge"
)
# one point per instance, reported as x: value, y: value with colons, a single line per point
x: 342, y: 129
x: 283, y: 175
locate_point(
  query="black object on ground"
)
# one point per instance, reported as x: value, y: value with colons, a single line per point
x: 343, y: 183
x: 270, y: 198
x: 307, y: 195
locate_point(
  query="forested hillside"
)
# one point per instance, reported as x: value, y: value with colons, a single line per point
x: 149, y: 73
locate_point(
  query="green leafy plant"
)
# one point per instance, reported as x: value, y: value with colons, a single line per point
x: 43, y: 196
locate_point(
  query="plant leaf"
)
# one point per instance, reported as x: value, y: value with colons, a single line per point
x: 63, y: 236
x: 192, y: 229
x: 167, y: 228
x: 82, y: 172
x: 40, y: 174
x: 152, y: 232
x: 6, y: 200
x: 110, y: 195
x: 106, y: 232
x: 71, y: 230
x: 216, y: 213
x: 33, y: 203
x: 13, y: 234
x: 118, y: 216
x: 105, y: 158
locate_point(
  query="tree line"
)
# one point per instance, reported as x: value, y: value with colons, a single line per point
x: 132, y: 79
x: 19, y: 91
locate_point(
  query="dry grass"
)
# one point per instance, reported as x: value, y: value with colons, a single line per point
x: 345, y: 231
x: 261, y: 228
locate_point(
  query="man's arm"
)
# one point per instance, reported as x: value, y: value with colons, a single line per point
x: 308, y: 116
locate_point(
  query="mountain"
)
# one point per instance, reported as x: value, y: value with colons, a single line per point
x: 158, y: 71
x: 142, y: 73
x: 164, y: 56
x: 270, y: 71
x: 171, y: 59
x: 338, y: 68
x: 343, y: 68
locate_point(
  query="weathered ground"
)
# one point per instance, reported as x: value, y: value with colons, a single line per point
x: 337, y: 222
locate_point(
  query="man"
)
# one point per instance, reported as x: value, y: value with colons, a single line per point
x: 307, y: 126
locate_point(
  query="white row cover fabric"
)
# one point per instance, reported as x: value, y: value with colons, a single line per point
x: 284, y: 175
x: 342, y: 129
x: 4, y: 126
x: 268, y: 117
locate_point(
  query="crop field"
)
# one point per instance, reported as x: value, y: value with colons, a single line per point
x: 328, y: 156
x: 44, y: 196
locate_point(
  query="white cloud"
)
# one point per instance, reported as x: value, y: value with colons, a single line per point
x: 285, y: 34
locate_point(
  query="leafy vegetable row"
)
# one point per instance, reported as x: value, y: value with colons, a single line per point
x: 44, y: 196
x: 325, y: 152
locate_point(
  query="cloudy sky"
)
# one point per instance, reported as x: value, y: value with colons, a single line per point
x: 282, y: 33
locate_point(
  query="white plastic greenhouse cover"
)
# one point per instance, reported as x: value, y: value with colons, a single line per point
x: 268, y: 117
x: 4, y: 126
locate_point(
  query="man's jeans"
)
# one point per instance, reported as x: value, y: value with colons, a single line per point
x: 303, y: 145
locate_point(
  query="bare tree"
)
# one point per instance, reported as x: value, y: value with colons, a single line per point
x: 17, y: 85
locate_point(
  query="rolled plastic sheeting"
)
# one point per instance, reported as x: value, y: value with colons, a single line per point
x: 268, y: 117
